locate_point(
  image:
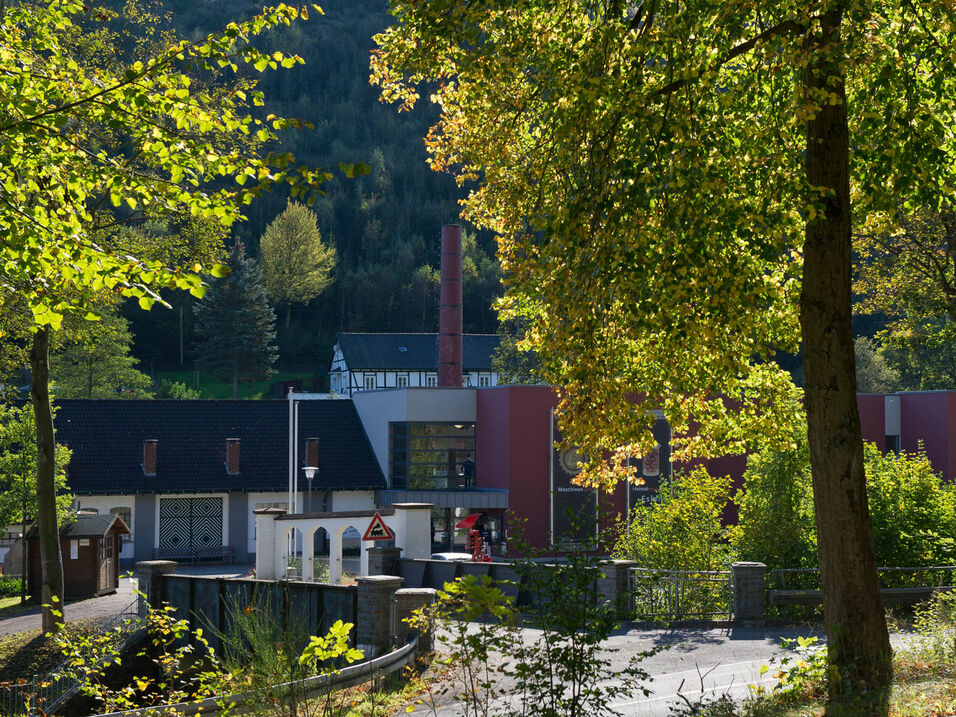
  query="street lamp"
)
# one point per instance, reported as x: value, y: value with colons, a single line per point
x: 310, y: 472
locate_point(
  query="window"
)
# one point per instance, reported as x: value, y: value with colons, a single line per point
x: 260, y: 506
x: 431, y: 455
x: 126, y: 514
x: 370, y: 382
x: 484, y: 381
x: 401, y: 381
x: 431, y: 381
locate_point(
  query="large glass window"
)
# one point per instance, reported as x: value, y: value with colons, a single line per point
x: 432, y: 455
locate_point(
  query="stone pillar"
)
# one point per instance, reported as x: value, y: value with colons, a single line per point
x: 374, y: 612
x: 405, y: 602
x: 267, y: 552
x: 149, y: 574
x: 382, y: 561
x: 749, y: 592
x: 614, y: 586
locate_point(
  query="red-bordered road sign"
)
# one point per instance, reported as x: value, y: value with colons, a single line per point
x: 377, y: 530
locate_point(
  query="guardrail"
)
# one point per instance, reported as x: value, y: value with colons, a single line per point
x: 905, y: 592
x: 310, y: 687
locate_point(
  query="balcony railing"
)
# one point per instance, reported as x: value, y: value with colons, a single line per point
x: 452, y: 482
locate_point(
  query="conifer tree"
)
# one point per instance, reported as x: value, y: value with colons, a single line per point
x: 235, y: 326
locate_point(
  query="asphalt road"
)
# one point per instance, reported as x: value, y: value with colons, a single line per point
x: 692, y: 661
x: 106, y: 607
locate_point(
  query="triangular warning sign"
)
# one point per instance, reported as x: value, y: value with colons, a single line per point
x: 377, y: 530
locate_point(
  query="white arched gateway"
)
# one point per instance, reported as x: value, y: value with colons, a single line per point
x: 281, y: 538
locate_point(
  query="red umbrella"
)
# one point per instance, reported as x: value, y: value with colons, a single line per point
x: 468, y: 522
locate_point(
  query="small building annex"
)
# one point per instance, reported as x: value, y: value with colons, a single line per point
x: 186, y: 476
x: 365, y: 362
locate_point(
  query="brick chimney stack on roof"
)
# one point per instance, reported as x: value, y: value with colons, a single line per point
x: 312, y: 452
x: 149, y: 456
x: 232, y: 456
x: 449, y: 308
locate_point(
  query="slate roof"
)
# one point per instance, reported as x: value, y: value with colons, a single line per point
x: 91, y: 526
x: 87, y: 526
x: 106, y: 437
x: 378, y: 352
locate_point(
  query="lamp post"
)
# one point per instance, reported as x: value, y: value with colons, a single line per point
x: 310, y: 472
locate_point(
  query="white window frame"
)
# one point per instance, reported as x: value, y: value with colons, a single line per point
x: 431, y: 381
x: 401, y: 381
x: 484, y: 381
x: 369, y: 382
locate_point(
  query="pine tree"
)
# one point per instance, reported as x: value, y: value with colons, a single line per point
x: 235, y: 326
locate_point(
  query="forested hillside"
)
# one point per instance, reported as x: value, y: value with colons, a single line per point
x: 385, y: 225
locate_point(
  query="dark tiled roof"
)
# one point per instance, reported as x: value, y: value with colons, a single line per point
x: 384, y: 351
x: 91, y: 526
x: 107, y: 436
x: 87, y: 526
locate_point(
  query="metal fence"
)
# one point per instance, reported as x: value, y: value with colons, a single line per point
x: 892, y: 577
x: 42, y: 695
x: 667, y: 595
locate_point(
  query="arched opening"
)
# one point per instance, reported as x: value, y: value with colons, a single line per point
x: 321, y: 544
x: 292, y: 539
x: 351, y: 553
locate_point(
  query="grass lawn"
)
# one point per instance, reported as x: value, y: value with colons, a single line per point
x: 212, y: 387
x: 11, y: 606
x: 26, y: 654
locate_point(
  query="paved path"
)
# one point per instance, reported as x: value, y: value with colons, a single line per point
x: 107, y: 606
x: 692, y: 661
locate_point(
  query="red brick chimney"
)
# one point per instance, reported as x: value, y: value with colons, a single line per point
x: 312, y: 452
x: 449, y: 308
x: 232, y: 456
x: 149, y: 456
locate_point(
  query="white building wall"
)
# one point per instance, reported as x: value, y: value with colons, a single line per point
x: 262, y: 500
x: 103, y: 504
x: 376, y: 409
x: 343, y: 500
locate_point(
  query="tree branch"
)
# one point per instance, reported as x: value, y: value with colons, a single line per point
x: 787, y: 27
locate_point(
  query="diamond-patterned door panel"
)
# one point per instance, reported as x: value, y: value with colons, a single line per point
x: 190, y: 523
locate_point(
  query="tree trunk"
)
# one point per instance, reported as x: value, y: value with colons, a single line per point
x: 858, y: 642
x: 288, y: 315
x: 51, y: 591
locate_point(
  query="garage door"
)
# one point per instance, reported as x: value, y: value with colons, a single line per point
x: 190, y: 523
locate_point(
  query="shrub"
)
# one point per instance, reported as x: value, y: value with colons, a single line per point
x: 10, y: 587
x: 683, y: 530
x: 913, y: 512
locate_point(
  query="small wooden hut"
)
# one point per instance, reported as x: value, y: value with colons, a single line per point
x: 90, y: 549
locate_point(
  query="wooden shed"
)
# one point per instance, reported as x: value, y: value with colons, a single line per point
x: 90, y: 550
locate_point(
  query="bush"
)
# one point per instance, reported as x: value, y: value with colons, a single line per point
x: 913, y: 512
x: 10, y: 587
x: 683, y: 530
x: 775, y: 507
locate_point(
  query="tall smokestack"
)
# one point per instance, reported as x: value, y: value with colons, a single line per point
x: 449, y: 308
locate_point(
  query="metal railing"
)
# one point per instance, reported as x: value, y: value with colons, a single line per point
x: 44, y: 694
x: 890, y: 577
x: 667, y: 595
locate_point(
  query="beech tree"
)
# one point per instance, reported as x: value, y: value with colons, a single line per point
x: 95, y: 362
x: 296, y: 264
x: 79, y: 137
x: 674, y: 192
